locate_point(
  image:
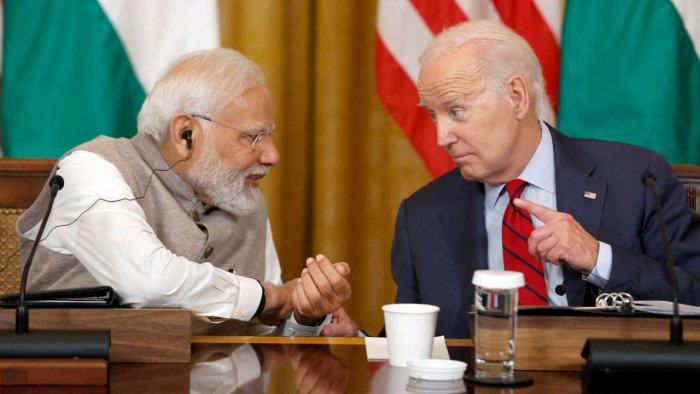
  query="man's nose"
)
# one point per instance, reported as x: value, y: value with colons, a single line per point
x: 445, y: 133
x: 268, y: 154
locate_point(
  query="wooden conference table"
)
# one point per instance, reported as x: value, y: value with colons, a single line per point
x: 299, y: 365
x: 153, y: 352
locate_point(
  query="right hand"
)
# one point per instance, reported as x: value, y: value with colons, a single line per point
x: 561, y: 240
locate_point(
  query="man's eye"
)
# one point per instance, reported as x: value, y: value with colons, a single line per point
x: 258, y: 137
x: 456, y: 112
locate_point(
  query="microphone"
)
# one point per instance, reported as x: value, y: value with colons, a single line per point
x: 56, y: 184
x: 22, y: 315
x: 56, y: 343
x: 614, y: 362
x: 676, y: 324
x: 49, y: 343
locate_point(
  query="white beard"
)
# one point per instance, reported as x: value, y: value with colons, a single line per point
x: 225, y: 185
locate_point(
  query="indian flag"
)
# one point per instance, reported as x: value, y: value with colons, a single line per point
x: 630, y: 71
x: 75, y: 69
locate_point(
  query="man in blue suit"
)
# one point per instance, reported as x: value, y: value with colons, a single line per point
x: 595, y: 228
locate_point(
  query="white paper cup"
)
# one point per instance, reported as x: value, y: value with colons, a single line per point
x: 410, y: 329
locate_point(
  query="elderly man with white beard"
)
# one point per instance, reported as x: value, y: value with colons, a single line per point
x: 174, y: 218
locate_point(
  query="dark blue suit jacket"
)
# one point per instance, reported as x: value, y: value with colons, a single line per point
x: 440, y: 236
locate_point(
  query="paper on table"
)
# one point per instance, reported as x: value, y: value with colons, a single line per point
x: 665, y: 308
x: 378, y: 350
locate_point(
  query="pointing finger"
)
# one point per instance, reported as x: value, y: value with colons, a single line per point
x: 541, y: 212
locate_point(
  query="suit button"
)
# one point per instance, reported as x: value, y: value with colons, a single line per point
x: 208, y: 252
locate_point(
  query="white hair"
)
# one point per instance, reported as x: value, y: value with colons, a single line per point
x: 502, y: 53
x: 202, y: 82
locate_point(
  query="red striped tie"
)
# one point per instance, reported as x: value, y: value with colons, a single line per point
x: 517, y: 226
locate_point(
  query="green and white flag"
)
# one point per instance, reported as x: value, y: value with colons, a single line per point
x: 630, y: 72
x: 75, y: 69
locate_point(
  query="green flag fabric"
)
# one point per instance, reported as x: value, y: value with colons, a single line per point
x: 65, y: 77
x: 630, y: 72
x: 75, y: 69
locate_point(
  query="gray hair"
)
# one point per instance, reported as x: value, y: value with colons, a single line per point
x: 202, y: 82
x: 502, y: 53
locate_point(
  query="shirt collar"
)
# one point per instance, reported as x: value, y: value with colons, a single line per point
x: 539, y: 171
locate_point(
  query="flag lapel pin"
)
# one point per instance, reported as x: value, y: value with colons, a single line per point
x: 590, y: 195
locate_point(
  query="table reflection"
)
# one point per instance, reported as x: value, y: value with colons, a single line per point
x: 288, y: 367
x: 247, y: 368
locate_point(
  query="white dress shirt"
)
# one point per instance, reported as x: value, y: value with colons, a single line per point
x: 115, y: 243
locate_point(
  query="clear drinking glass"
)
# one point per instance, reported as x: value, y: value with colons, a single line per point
x: 496, y: 305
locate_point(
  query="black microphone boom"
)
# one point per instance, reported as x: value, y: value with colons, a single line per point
x: 651, y: 363
x: 22, y: 317
x: 23, y: 343
x: 676, y: 323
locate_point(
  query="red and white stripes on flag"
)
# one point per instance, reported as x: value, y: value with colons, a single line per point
x: 406, y: 27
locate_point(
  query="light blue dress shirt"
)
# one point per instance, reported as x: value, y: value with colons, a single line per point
x: 541, y: 189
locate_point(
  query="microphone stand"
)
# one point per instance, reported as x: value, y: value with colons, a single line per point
x: 676, y: 322
x: 651, y: 363
x: 22, y: 315
x: 23, y: 343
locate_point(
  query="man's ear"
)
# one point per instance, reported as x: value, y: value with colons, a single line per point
x: 180, y: 134
x: 518, y: 94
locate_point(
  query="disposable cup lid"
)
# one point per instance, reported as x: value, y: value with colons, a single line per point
x: 496, y: 279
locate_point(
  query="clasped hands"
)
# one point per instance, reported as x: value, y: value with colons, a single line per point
x: 321, y: 289
x: 561, y: 240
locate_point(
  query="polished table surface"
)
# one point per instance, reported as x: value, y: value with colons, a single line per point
x: 300, y: 365
x: 153, y: 352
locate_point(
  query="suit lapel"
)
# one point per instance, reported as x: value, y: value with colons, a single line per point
x: 579, y: 193
x: 463, y: 225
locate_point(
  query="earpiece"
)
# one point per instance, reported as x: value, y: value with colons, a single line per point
x: 187, y: 136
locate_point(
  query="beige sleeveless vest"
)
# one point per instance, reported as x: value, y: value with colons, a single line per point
x: 186, y: 227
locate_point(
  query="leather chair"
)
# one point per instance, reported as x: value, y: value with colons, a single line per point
x: 689, y: 176
x: 21, y: 181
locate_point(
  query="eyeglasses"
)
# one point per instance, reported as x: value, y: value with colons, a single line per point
x: 255, y: 136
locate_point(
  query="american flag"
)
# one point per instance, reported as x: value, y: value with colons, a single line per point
x: 406, y: 27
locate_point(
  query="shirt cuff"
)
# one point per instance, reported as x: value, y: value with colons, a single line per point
x: 248, y: 298
x: 294, y: 329
x: 601, y: 272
